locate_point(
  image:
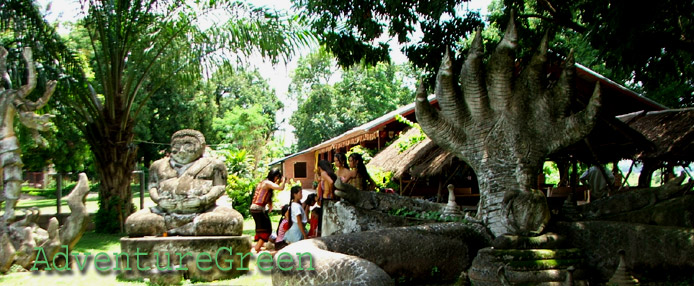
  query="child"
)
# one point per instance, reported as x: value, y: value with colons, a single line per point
x: 313, y: 221
x: 297, y: 218
x: 282, y: 229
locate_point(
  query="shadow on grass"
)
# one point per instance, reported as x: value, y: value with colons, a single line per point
x: 25, y: 204
x: 92, y: 241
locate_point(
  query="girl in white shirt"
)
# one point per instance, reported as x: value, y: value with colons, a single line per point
x: 298, y: 219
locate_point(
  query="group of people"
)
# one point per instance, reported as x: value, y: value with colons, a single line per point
x: 294, y: 218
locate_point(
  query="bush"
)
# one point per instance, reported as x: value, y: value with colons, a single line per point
x: 383, y: 179
x: 240, y: 191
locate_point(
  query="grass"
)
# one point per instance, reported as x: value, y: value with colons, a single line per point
x: 47, y: 205
x: 109, y: 243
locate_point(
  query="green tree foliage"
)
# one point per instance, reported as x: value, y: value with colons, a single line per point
x: 22, y: 25
x: 245, y: 87
x: 361, y: 94
x: 131, y: 40
x: 247, y: 111
x: 242, y: 179
x: 643, y: 44
x: 353, y: 30
x: 244, y: 129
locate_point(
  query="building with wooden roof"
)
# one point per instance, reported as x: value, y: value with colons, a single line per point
x: 611, y: 139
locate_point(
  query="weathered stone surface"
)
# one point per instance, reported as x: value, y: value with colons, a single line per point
x: 527, y: 267
x: 382, y: 201
x: 325, y: 267
x: 186, y: 187
x: 547, y: 240
x: 428, y: 253
x: 452, y: 210
x: 653, y: 253
x: 7, y: 253
x: 25, y: 235
x: 362, y: 211
x: 505, y: 125
x: 76, y: 224
x: 538, y: 260
x: 18, y: 103
x: 525, y: 212
x: 634, y: 199
x: 342, y: 217
x: 178, y: 257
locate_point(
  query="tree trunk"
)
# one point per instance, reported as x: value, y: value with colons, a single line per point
x: 115, y: 160
x: 646, y: 175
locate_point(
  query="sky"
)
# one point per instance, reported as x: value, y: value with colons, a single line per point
x: 278, y: 76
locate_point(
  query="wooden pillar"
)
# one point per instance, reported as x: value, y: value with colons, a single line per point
x: 647, y: 173
x: 58, y: 191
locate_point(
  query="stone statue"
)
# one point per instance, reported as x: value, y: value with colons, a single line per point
x: 504, y: 124
x: 13, y: 102
x: 452, y: 210
x: 19, y: 240
x: 186, y: 186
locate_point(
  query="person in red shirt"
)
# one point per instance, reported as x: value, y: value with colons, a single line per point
x: 261, y: 198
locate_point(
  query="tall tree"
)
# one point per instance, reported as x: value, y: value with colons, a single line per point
x: 355, y: 30
x: 130, y: 38
x: 360, y: 94
x: 643, y: 44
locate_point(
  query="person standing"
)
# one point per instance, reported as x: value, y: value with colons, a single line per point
x: 341, y: 163
x: 262, y: 198
x: 598, y: 182
x: 297, y: 221
x: 358, y: 176
x: 325, y: 189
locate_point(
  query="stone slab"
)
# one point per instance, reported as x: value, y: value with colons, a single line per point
x: 168, y: 260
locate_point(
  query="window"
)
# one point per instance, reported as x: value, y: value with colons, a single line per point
x: 300, y: 170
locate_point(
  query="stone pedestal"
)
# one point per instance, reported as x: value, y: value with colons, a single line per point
x: 518, y: 260
x: 168, y: 260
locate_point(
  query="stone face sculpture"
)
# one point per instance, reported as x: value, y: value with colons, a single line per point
x: 13, y: 102
x: 504, y: 125
x: 186, y: 186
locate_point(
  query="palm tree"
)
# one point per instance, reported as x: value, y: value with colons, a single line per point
x: 129, y: 39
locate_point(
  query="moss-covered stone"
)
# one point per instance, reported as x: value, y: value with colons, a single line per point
x: 533, y: 254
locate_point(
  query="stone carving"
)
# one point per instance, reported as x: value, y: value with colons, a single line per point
x: 452, y: 209
x: 362, y: 211
x: 186, y: 186
x: 504, y: 125
x: 621, y: 276
x: 15, y: 102
x: 654, y: 253
x: 669, y: 204
x: 20, y: 239
x: 424, y: 254
x: 523, y: 260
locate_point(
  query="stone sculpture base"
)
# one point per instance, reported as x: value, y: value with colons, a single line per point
x: 168, y: 260
x: 518, y: 260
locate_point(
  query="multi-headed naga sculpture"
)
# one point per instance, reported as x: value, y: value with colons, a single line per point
x: 20, y: 240
x: 504, y: 126
x: 13, y: 102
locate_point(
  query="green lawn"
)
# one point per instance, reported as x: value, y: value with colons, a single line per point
x: 47, y: 206
x: 95, y: 242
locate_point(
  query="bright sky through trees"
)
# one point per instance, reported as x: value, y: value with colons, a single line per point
x: 278, y: 76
